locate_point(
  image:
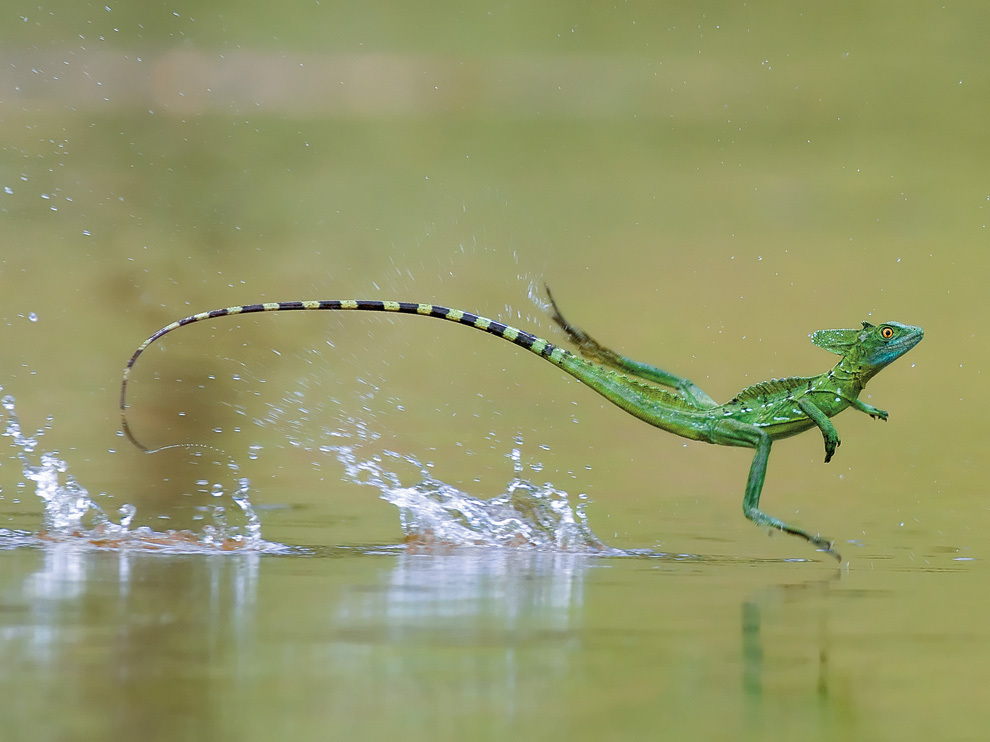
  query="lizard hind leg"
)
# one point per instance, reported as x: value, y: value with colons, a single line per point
x: 734, y: 433
x: 587, y: 345
x: 593, y: 350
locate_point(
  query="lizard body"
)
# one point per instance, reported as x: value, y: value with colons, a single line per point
x: 754, y: 418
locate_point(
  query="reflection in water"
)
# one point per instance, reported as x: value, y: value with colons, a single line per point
x: 508, y: 586
x: 752, y: 650
x: 101, y: 637
x: 517, y: 612
x: 759, y: 682
x: 150, y: 646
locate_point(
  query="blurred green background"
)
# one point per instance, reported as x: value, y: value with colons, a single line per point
x: 702, y: 184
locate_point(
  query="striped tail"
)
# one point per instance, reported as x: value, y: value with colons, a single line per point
x: 537, y: 345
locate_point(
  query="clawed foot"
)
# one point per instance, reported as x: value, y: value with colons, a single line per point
x: 819, y: 542
x: 824, y: 544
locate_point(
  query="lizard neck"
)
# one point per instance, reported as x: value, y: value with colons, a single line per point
x: 851, y: 373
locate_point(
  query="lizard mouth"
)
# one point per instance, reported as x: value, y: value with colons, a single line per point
x: 909, y: 341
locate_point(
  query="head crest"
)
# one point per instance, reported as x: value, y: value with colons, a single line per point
x: 835, y: 341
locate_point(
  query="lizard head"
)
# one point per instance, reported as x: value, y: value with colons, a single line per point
x: 874, y: 346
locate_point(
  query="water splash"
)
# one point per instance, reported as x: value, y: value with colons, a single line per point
x: 68, y: 506
x: 72, y: 515
x: 434, y: 514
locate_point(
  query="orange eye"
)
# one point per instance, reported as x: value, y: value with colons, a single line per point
x: 887, y: 333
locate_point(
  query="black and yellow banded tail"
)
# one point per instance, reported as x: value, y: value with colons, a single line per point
x: 537, y: 345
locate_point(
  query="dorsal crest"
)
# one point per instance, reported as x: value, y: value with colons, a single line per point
x: 765, y: 392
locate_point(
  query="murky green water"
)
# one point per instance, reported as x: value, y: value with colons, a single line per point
x: 484, y: 643
x: 703, y: 186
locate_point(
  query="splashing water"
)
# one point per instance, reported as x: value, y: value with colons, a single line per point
x: 433, y: 513
x: 72, y: 515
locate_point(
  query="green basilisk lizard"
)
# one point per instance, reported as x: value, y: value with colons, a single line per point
x: 754, y: 418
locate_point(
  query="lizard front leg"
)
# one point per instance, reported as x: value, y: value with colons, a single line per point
x: 829, y: 433
x: 874, y: 412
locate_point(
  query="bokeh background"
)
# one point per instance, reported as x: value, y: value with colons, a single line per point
x: 702, y: 184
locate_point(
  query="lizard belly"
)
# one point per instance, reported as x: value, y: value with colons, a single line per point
x: 785, y: 420
x: 786, y: 428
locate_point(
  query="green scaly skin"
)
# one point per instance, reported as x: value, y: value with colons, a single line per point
x: 754, y: 418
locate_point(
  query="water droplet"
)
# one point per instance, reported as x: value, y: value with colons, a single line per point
x: 127, y: 512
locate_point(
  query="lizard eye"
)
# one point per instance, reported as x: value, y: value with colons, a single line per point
x: 887, y: 333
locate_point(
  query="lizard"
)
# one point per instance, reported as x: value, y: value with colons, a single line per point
x: 753, y: 418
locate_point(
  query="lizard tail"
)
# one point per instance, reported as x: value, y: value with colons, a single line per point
x: 530, y: 342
